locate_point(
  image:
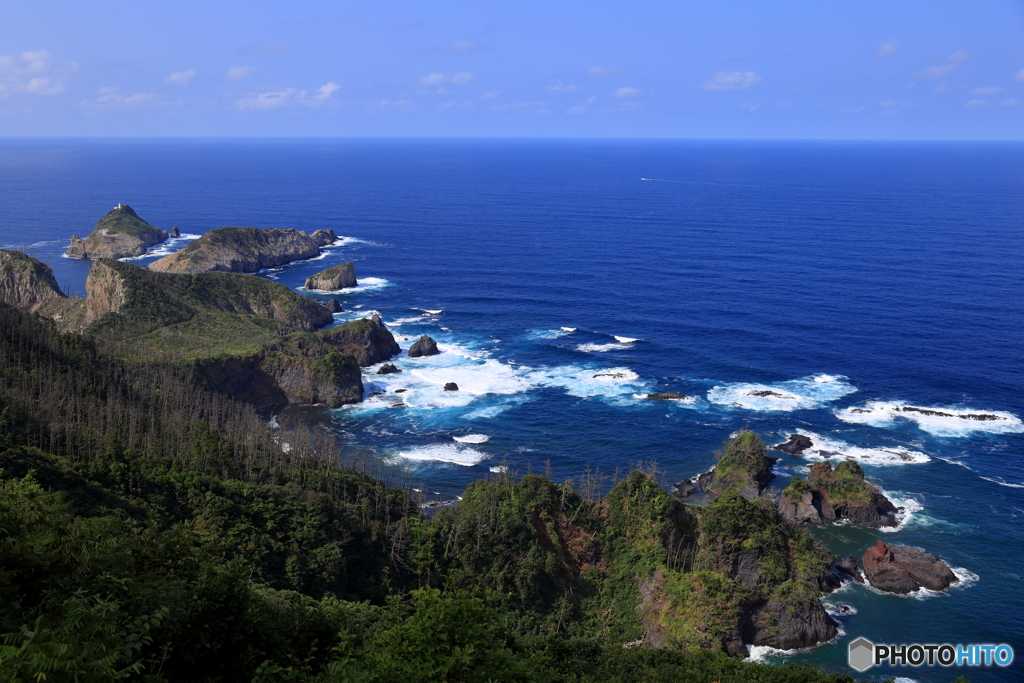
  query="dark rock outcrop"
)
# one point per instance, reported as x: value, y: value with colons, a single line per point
x: 424, y: 346
x: 174, y: 232
x: 904, y: 569
x: 667, y: 396
x: 848, y: 566
x: 334, y: 278
x: 829, y: 495
x: 239, y: 250
x: 332, y: 305
x: 119, y: 234
x: 797, y: 444
x: 451, y: 386
x: 367, y: 340
x: 388, y: 369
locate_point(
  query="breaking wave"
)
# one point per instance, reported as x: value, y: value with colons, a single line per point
x: 947, y: 422
x: 798, y: 394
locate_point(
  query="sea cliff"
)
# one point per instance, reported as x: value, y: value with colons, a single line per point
x: 119, y: 234
x: 240, y: 250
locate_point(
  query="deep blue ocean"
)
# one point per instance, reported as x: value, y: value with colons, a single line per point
x: 566, y: 279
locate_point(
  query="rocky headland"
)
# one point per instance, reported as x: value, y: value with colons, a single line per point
x: 829, y: 495
x: 904, y: 569
x: 119, y: 234
x: 29, y: 284
x: 332, y: 279
x: 246, y: 336
x: 240, y: 250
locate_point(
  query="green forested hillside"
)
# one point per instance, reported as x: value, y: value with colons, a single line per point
x: 154, y: 531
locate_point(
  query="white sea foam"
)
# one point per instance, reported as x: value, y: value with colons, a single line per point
x: 827, y: 448
x: 910, y: 507
x: 602, y: 348
x: 165, y: 248
x: 569, y: 329
x: 472, y: 438
x: 547, y: 334
x: 840, y: 610
x: 798, y: 394
x: 363, y: 284
x: 625, y: 340
x: 428, y: 311
x: 949, y: 422
x: 1004, y: 483
x: 489, y: 411
x: 401, y: 321
x: 445, y: 452
x: 499, y: 469
x: 344, y: 240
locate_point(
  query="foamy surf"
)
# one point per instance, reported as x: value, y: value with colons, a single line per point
x: 602, y: 348
x: 165, y: 248
x: 903, y: 518
x: 446, y: 453
x: 363, y: 284
x: 826, y: 448
x: 472, y: 438
x: 945, y: 422
x: 625, y: 340
x: 799, y: 394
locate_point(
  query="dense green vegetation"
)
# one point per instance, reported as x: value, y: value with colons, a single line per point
x: 743, y: 460
x: 152, y: 530
x: 844, y: 484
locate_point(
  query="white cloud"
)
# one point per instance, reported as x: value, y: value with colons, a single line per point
x: 628, y: 92
x: 599, y: 71
x: 732, y: 80
x: 887, y: 49
x: 110, y: 97
x: 490, y: 95
x: 974, y: 104
x: 562, y: 87
x: 1020, y: 76
x: 991, y: 90
x: 181, y: 77
x: 237, y: 73
x: 34, y: 72
x: 272, y: 99
x: 948, y: 64
x: 1011, y: 102
x: 439, y: 78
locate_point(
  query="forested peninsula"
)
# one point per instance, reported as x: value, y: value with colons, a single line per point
x: 156, y: 526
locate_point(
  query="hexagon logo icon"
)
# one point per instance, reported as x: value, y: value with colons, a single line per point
x: 861, y: 655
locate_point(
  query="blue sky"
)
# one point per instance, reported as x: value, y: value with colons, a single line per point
x: 825, y: 69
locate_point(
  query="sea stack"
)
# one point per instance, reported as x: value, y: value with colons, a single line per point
x: 119, y: 234
x: 424, y: 346
x: 903, y: 569
x: 332, y: 279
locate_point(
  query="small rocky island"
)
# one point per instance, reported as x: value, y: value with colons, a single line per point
x: 119, y: 234
x: 830, y: 495
x: 424, y: 346
x: 332, y: 279
x: 244, y: 250
x: 904, y: 569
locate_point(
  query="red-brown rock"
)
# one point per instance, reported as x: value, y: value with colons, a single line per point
x: 903, y: 569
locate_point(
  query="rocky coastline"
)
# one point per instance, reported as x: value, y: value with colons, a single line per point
x: 243, y: 250
x: 121, y: 233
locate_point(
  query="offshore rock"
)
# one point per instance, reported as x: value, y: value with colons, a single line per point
x: 848, y: 566
x: 323, y: 238
x: 388, y: 369
x: 667, y: 396
x: 451, y: 386
x: 332, y: 279
x: 797, y: 444
x: 119, y: 234
x: 332, y: 305
x: 830, y: 495
x: 903, y: 569
x: 174, y: 232
x: 239, y: 250
x: 424, y: 346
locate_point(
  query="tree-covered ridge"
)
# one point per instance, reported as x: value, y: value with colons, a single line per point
x: 153, y: 530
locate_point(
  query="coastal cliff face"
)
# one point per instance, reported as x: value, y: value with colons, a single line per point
x: 366, y: 340
x: 829, y: 495
x: 332, y: 279
x: 29, y: 284
x: 239, y: 250
x: 119, y: 234
x: 744, y: 468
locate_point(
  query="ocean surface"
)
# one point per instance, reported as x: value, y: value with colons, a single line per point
x: 564, y: 280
